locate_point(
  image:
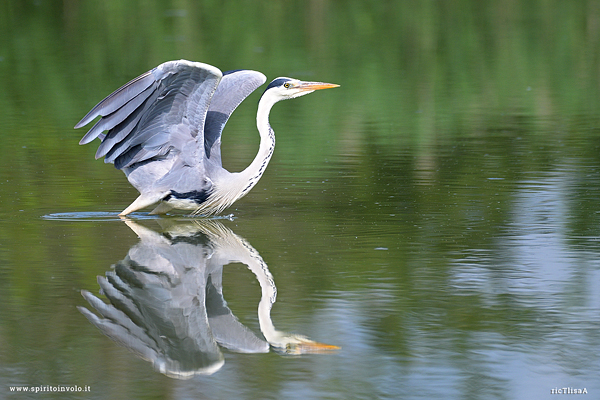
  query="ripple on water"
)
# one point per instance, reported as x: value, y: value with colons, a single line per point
x: 94, y: 216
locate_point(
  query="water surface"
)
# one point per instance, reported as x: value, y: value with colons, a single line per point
x: 436, y: 216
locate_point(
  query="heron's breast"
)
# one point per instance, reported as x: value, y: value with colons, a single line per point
x: 188, y: 200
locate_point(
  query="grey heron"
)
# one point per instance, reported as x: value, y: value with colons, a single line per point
x: 164, y: 132
x: 166, y: 300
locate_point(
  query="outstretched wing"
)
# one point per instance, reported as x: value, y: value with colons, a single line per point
x: 156, y: 112
x: 234, y: 87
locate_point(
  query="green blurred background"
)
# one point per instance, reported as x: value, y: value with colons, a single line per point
x: 463, y: 133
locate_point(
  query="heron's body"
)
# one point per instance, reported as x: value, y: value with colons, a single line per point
x: 164, y: 132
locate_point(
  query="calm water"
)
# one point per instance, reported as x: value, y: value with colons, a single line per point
x: 436, y: 216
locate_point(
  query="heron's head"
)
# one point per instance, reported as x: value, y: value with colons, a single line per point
x: 288, y: 88
x: 292, y: 344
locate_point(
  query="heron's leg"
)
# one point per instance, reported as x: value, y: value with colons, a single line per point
x: 139, y: 203
x: 162, y: 208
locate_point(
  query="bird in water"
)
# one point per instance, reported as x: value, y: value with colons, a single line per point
x: 164, y: 132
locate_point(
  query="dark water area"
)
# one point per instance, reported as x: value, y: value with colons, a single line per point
x: 436, y: 217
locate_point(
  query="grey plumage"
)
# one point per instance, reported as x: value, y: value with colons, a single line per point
x: 164, y: 132
x: 153, y: 110
x: 166, y: 300
x: 234, y: 87
x: 107, y: 106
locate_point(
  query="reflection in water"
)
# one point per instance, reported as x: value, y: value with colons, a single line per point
x: 167, y: 305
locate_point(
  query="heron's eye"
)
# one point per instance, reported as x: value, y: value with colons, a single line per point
x: 287, y: 85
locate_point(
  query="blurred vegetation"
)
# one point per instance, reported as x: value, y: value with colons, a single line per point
x: 446, y: 109
x: 414, y: 75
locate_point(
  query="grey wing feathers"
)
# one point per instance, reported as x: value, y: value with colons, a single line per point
x: 234, y: 87
x: 154, y: 113
x: 116, y: 99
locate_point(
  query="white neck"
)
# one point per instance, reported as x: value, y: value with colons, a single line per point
x: 249, y: 256
x: 255, y: 170
x: 233, y: 186
x: 267, y: 299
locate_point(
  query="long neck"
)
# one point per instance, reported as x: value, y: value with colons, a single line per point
x: 267, y: 299
x: 254, y: 171
x: 246, y: 254
x: 233, y: 186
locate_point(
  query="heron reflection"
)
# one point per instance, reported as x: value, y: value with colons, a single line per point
x: 167, y: 305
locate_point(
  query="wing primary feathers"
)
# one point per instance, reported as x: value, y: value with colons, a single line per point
x: 116, y: 117
x: 118, y: 98
x: 116, y: 136
x: 153, y: 114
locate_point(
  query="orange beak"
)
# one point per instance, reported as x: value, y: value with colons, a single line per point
x: 310, y: 347
x: 315, y: 85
